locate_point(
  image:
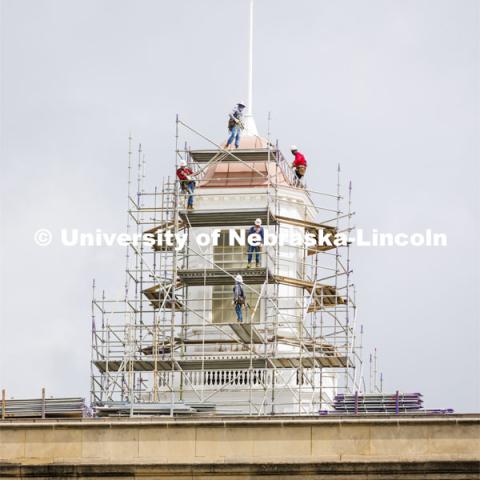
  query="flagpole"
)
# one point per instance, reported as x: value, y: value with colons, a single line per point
x: 250, y: 64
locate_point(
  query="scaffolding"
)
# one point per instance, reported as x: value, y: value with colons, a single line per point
x: 173, y: 344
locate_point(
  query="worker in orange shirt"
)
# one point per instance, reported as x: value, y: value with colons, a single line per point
x: 299, y: 163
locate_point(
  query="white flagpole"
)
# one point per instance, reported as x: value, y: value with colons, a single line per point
x: 250, y: 63
x: 250, y: 127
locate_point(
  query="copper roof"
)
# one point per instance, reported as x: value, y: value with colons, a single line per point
x: 248, y: 166
x: 243, y: 174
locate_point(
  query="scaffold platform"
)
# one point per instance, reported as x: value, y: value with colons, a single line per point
x: 238, y: 217
x: 247, y: 332
x: 245, y: 155
x: 322, y: 297
x: 225, y: 218
x: 216, y: 276
x: 166, y: 363
x: 156, y: 295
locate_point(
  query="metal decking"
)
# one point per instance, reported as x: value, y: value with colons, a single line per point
x: 215, y: 276
x: 247, y: 333
x: 156, y: 295
x: 56, y: 407
x: 324, y: 295
x: 225, y: 218
x: 246, y: 155
x: 241, y: 217
x: 378, y: 402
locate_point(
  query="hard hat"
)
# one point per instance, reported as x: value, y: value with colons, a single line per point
x: 183, y: 163
x: 293, y: 148
x: 239, y: 279
x: 258, y: 221
x: 241, y: 104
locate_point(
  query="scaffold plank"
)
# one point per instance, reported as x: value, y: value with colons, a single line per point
x: 241, y: 217
x: 219, y: 363
x: 328, y: 232
x: 215, y: 276
x: 156, y: 295
x: 226, y: 218
x: 246, y: 155
x: 297, y: 222
x: 247, y: 216
x: 169, y: 225
x: 312, y: 346
x: 293, y: 282
x: 162, y: 227
x: 324, y: 295
x: 247, y: 332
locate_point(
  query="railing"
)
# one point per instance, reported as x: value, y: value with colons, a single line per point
x: 235, y: 379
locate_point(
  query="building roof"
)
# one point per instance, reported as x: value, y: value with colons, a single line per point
x: 248, y: 166
x: 243, y: 174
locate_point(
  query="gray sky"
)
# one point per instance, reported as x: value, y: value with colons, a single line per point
x: 388, y: 89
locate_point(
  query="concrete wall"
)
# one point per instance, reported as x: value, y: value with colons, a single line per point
x: 302, y: 447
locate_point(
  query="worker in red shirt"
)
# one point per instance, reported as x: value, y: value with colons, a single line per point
x: 187, y: 183
x: 299, y: 163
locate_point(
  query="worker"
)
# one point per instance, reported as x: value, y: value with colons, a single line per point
x: 258, y: 229
x: 299, y: 163
x: 187, y: 183
x: 239, y: 299
x: 235, y: 124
